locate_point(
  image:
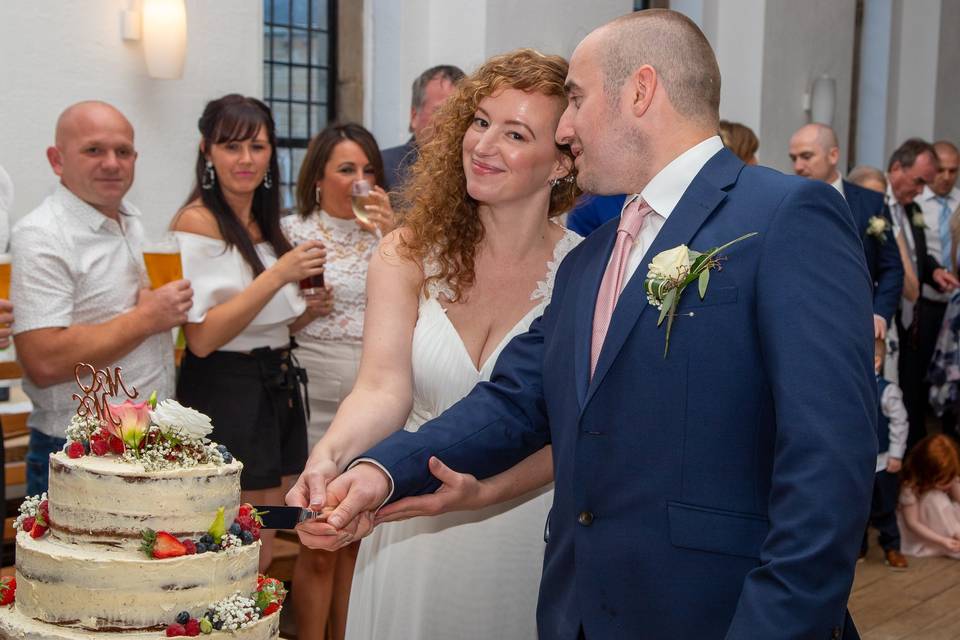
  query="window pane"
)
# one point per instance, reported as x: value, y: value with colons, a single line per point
x: 299, y: 46
x: 299, y: 80
x: 318, y: 118
x: 281, y: 11
x: 267, y: 39
x: 298, y: 127
x: 300, y: 8
x: 318, y: 89
x: 266, y: 11
x: 286, y: 199
x: 283, y: 160
x: 266, y: 81
x: 319, y: 48
x: 281, y: 44
x: 298, y: 155
x: 318, y: 18
x: 282, y: 120
x: 281, y: 82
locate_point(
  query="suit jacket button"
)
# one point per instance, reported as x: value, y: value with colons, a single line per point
x: 585, y: 518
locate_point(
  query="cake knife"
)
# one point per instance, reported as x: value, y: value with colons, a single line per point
x: 283, y: 517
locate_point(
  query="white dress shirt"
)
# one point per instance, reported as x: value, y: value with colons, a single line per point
x: 73, y: 265
x: 891, y: 403
x: 663, y: 193
x: 838, y: 185
x: 930, y: 206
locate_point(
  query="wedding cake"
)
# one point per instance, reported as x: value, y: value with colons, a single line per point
x: 142, y: 536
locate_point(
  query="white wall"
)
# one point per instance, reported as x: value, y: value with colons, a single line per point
x: 57, y: 53
x: 916, y: 86
x: 946, y: 123
x: 404, y: 37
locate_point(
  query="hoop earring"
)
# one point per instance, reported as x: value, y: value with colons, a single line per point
x: 318, y: 193
x: 209, y: 177
x: 267, y: 180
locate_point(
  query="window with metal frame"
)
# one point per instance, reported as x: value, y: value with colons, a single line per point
x: 299, y: 78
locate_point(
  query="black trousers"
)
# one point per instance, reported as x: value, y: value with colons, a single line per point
x: 917, y: 343
x: 883, y: 511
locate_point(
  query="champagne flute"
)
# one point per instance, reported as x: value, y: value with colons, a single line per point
x: 360, y: 197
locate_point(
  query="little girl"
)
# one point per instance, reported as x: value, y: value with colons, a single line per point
x: 929, y: 514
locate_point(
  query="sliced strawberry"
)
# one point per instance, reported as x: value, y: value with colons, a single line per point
x: 272, y: 608
x: 37, y: 530
x: 27, y: 523
x: 166, y: 546
x: 99, y: 447
x: 8, y: 589
x: 44, y: 510
x: 116, y: 445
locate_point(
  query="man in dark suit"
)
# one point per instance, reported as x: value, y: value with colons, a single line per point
x: 716, y: 490
x: 912, y: 166
x: 429, y: 91
x: 815, y: 153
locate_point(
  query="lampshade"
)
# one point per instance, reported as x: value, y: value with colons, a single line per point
x: 164, y: 37
x: 823, y: 98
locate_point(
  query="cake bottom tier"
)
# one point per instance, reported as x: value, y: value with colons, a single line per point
x: 15, y: 626
x: 114, y: 589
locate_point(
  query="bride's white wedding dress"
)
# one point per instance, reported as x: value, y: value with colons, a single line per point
x: 465, y: 575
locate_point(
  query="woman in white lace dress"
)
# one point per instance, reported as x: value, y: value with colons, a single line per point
x: 329, y: 347
x: 472, y: 267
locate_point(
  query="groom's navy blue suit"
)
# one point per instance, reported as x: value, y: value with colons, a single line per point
x: 720, y: 491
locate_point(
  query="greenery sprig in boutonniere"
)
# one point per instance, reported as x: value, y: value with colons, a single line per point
x: 877, y: 227
x: 670, y: 273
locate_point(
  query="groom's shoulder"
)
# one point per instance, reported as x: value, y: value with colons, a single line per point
x: 777, y: 189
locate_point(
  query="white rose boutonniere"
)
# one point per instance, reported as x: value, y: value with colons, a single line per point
x: 672, y: 270
x: 917, y: 220
x: 877, y: 227
x: 176, y: 420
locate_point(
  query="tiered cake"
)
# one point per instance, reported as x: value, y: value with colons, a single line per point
x: 91, y: 575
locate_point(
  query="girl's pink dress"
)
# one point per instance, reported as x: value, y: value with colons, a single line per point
x: 938, y: 512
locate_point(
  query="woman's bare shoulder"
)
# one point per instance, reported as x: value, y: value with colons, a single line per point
x: 196, y: 218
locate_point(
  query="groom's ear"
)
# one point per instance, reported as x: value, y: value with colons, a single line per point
x: 643, y: 85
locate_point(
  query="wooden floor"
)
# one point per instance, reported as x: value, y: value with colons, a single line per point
x: 921, y: 603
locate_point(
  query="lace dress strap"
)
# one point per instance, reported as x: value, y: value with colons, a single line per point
x: 566, y: 244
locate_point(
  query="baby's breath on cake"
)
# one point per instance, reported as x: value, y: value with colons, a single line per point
x: 234, y: 612
x: 81, y: 428
x: 29, y: 509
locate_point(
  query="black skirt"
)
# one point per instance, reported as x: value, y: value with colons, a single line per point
x: 256, y: 406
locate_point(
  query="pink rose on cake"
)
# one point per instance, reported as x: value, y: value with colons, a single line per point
x: 134, y: 420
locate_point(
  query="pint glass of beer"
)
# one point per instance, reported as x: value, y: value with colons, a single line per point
x: 162, y: 259
x: 5, y: 276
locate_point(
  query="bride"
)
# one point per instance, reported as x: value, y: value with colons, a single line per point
x: 470, y: 269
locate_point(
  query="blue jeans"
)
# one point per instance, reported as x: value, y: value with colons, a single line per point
x: 38, y: 460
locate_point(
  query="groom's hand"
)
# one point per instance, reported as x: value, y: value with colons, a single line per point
x: 361, y: 490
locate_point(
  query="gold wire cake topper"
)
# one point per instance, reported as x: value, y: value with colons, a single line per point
x: 101, y: 382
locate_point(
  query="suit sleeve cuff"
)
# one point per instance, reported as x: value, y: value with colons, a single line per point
x: 382, y: 468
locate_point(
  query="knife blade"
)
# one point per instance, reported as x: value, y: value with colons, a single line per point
x: 283, y: 517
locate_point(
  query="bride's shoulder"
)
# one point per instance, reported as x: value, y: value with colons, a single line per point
x: 392, y: 261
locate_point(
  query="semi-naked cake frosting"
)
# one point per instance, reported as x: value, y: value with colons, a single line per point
x: 87, y: 575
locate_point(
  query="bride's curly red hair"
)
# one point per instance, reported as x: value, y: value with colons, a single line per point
x: 440, y: 214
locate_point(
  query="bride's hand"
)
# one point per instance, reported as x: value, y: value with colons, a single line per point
x: 459, y: 492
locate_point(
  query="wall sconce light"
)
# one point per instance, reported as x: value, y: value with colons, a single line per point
x: 162, y: 24
x: 821, y: 100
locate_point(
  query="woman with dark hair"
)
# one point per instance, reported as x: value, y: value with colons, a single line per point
x: 472, y: 266
x: 329, y: 347
x: 238, y: 367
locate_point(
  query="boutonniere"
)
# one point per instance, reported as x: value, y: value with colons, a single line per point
x: 877, y: 227
x: 670, y: 273
x: 917, y: 220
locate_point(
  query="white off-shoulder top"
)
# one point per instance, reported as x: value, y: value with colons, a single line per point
x: 217, y: 273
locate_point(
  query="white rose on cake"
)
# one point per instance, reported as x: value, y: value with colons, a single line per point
x: 174, y: 419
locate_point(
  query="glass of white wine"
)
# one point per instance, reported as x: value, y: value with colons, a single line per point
x: 360, y: 197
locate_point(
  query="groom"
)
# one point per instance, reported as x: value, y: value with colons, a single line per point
x: 720, y: 490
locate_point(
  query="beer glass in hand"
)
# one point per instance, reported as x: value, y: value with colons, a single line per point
x: 162, y: 260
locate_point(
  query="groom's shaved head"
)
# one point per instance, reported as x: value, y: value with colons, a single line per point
x: 674, y: 45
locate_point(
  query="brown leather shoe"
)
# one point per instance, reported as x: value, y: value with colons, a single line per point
x: 895, y: 560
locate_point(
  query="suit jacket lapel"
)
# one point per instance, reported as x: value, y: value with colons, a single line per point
x: 701, y: 198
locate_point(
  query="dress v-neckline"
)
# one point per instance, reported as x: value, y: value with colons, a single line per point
x: 463, y: 345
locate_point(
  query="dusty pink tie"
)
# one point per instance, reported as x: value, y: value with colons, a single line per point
x: 630, y: 222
